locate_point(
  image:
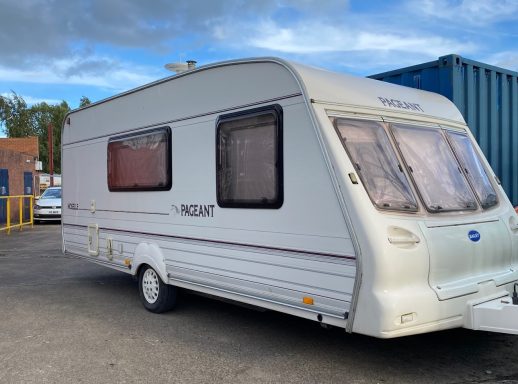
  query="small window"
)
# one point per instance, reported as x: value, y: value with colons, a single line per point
x: 473, y: 169
x: 249, y: 159
x: 141, y: 161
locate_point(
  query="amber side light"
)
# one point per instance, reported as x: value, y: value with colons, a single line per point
x: 307, y: 300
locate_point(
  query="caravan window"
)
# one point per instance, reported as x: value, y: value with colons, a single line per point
x: 375, y: 160
x: 249, y: 163
x: 473, y: 169
x: 140, y: 161
x: 434, y: 169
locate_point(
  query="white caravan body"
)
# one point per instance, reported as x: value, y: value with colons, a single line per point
x: 344, y: 200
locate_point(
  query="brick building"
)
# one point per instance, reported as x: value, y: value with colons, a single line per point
x: 18, y: 157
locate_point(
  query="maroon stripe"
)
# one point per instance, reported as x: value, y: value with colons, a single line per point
x: 223, y: 242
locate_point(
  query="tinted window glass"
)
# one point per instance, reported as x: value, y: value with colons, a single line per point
x: 51, y: 194
x: 473, y: 168
x: 140, y: 162
x: 434, y: 169
x: 373, y: 156
x: 250, y: 160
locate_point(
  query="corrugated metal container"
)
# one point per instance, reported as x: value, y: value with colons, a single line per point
x: 486, y: 95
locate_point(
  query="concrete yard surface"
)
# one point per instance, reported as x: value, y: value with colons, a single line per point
x: 64, y: 320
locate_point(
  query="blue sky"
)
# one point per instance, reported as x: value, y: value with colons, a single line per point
x: 53, y: 50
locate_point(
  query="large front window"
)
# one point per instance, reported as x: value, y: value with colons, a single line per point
x: 375, y: 161
x: 443, y: 164
x: 434, y: 169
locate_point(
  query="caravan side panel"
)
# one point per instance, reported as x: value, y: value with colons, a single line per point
x: 269, y: 257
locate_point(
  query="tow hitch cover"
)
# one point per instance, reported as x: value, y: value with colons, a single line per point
x: 498, y: 315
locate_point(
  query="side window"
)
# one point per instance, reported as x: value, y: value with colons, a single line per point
x: 140, y: 161
x: 249, y: 159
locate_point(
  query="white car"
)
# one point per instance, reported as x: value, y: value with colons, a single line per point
x: 48, y: 206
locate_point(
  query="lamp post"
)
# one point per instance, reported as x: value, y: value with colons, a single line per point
x: 51, y: 154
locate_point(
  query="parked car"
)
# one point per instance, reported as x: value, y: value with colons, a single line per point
x: 48, y: 206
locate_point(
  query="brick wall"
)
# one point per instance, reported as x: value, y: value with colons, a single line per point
x: 27, y: 145
x: 16, y: 164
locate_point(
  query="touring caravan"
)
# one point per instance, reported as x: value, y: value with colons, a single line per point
x: 343, y: 200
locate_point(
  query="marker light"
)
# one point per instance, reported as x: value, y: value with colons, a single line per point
x: 307, y: 300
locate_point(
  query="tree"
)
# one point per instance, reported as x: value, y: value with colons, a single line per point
x: 15, y: 116
x: 19, y: 120
x: 84, y: 101
x: 44, y: 114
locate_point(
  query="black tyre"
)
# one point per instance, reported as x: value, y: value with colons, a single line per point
x: 156, y: 296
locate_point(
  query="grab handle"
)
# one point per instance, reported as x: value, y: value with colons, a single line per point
x: 403, y: 240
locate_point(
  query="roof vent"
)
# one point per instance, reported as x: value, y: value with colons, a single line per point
x: 191, y: 64
x: 181, y: 67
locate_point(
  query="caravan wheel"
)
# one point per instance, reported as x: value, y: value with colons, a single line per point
x: 156, y: 296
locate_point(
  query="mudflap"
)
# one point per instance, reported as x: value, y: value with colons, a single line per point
x: 498, y: 315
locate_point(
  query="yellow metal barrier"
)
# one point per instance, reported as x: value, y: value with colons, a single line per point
x: 21, y: 223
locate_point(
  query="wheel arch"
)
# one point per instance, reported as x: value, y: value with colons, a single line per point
x: 149, y: 254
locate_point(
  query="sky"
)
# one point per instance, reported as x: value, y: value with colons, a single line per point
x: 54, y: 50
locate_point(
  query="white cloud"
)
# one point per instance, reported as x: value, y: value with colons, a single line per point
x: 34, y: 100
x: 65, y: 39
x: 319, y: 38
x: 506, y: 59
x: 474, y: 12
x: 33, y: 30
x: 104, y: 72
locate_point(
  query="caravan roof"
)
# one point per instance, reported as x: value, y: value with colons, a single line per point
x: 210, y: 84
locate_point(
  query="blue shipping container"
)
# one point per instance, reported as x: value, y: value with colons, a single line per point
x: 486, y: 95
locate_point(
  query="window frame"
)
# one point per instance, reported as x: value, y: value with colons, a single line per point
x: 334, y: 121
x: 277, y: 111
x: 448, y: 133
x: 416, y: 184
x: 169, y: 172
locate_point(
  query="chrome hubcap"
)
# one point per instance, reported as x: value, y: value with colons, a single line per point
x: 150, y: 286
